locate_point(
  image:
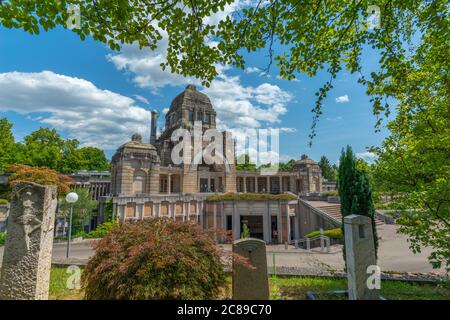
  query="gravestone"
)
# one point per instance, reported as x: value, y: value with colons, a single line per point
x: 250, y: 284
x: 360, y: 254
x: 25, y: 271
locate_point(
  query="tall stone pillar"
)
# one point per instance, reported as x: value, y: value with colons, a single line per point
x: 360, y: 254
x: 281, y: 184
x: 268, y: 184
x: 236, y: 223
x: 256, y: 185
x: 25, y: 272
x: 169, y: 183
x: 288, y: 224
x: 245, y: 184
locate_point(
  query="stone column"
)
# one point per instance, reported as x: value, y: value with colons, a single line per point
x: 236, y: 223
x: 215, y: 221
x: 281, y: 184
x: 266, y: 223
x: 256, y: 185
x: 200, y: 213
x: 288, y: 224
x: 245, y: 184
x: 25, y: 272
x: 268, y: 184
x: 169, y: 183
x: 279, y: 225
x: 189, y: 211
x: 360, y: 254
x: 140, y: 211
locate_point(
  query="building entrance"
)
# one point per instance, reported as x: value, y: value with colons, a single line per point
x: 255, y: 225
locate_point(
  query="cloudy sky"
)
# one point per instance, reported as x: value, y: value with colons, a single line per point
x: 101, y: 98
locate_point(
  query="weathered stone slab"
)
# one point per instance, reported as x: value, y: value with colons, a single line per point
x: 25, y: 272
x: 360, y: 254
x: 249, y: 284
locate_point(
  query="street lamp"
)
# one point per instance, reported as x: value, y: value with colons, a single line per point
x: 71, y: 198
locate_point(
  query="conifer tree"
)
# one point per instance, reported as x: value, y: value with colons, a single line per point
x: 355, y: 192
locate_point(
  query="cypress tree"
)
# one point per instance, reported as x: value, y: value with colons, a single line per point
x: 354, y: 191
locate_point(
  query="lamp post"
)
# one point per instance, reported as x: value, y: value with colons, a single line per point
x: 71, y: 198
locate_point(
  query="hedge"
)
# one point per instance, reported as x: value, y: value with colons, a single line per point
x: 332, y: 233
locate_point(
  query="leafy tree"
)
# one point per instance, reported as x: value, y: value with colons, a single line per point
x: 43, y: 176
x: 287, y: 166
x: 413, y: 166
x: 44, y: 148
x: 7, y: 144
x: 83, y: 209
x: 246, y: 164
x: 310, y: 36
x: 328, y: 171
x: 355, y: 192
x: 91, y: 158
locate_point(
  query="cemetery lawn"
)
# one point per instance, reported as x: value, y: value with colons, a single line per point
x: 294, y: 288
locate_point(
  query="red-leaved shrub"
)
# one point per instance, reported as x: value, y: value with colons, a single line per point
x: 155, y: 259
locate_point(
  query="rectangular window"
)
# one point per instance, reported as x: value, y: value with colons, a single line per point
x: 207, y: 118
x: 191, y: 116
x: 199, y: 116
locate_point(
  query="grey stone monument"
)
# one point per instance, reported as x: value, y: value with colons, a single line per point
x: 25, y: 271
x: 250, y: 284
x: 360, y: 254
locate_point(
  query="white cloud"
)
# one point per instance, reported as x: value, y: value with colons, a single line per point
x: 252, y: 70
x: 94, y: 116
x: 293, y: 80
x: 367, y: 156
x: 141, y: 99
x: 342, y: 99
x: 334, y: 118
x: 241, y: 106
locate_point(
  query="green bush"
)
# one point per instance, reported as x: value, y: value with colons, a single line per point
x: 4, y: 201
x: 2, y: 238
x: 252, y: 196
x: 102, y: 230
x: 245, y: 232
x: 332, y: 233
x: 155, y: 259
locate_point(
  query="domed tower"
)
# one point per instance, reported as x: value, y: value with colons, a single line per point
x: 309, y: 175
x: 135, y: 168
x: 188, y: 107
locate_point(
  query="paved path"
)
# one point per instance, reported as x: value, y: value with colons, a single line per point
x: 394, y: 255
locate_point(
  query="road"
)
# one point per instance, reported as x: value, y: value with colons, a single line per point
x: 394, y: 255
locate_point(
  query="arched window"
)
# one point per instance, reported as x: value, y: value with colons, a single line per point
x: 139, y: 179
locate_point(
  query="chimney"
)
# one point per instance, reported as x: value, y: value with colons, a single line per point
x: 153, y: 128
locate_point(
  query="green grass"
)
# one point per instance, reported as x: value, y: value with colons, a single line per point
x: 291, y: 288
x: 58, y: 286
x: 296, y: 288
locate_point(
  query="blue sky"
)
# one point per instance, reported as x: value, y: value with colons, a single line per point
x: 101, y: 97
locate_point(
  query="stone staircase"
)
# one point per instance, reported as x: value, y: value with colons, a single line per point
x: 334, y: 210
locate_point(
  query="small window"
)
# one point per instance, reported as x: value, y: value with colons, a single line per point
x: 191, y: 116
x: 199, y: 116
x: 207, y: 118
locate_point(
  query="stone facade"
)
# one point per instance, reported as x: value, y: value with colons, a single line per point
x: 145, y: 181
